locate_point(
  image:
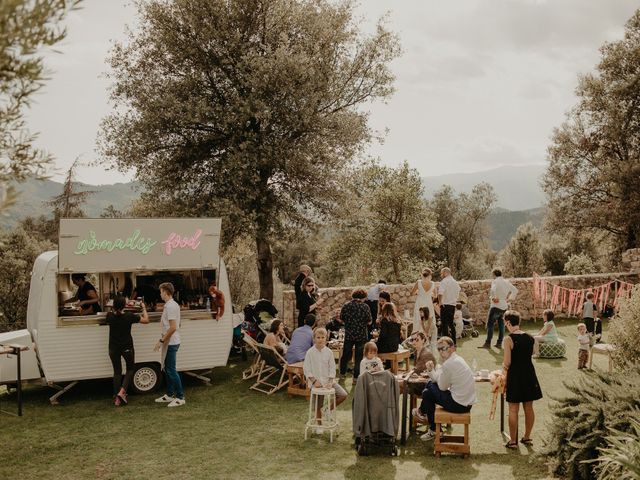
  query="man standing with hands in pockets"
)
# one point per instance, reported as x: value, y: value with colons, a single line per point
x: 170, y: 343
x: 502, y: 291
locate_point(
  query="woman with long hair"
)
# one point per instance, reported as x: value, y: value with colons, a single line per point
x: 121, y: 346
x: 308, y: 301
x: 390, y: 329
x: 424, y: 288
x: 276, y: 337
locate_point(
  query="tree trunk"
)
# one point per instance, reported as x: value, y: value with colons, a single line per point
x: 265, y: 265
x: 396, y: 269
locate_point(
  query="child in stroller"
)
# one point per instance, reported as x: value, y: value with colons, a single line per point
x: 468, y: 323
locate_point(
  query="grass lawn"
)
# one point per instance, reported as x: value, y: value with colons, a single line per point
x: 228, y: 431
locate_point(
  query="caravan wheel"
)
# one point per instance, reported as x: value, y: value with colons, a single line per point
x: 146, y: 377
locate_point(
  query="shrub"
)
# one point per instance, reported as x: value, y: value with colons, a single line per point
x: 579, y: 264
x: 624, y: 330
x: 597, y: 402
x: 620, y: 459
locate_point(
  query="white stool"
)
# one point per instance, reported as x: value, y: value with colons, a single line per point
x: 602, y: 349
x: 326, y: 399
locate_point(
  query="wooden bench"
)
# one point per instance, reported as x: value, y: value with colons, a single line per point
x: 297, y: 381
x: 602, y: 349
x: 452, y: 443
x: 396, y: 358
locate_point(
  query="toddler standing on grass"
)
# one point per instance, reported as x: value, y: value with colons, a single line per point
x: 371, y: 362
x: 584, y: 340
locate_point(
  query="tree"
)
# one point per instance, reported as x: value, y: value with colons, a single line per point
x: 27, y: 27
x: 593, y: 178
x: 579, y: 264
x: 249, y: 109
x: 461, y: 223
x: 386, y: 228
x: 19, y: 251
x: 523, y: 255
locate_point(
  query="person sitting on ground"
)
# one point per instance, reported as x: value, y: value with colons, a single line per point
x: 276, y: 337
x: 452, y: 386
x: 422, y: 356
x: 320, y: 369
x: 390, y: 336
x: 548, y: 332
x: 371, y: 362
x: 301, y: 340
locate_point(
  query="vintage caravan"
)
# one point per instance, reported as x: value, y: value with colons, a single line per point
x: 122, y: 257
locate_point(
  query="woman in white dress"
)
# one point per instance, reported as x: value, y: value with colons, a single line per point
x: 424, y: 288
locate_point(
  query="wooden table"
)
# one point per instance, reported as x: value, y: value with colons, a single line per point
x: 300, y: 387
x: 396, y: 358
x: 406, y: 379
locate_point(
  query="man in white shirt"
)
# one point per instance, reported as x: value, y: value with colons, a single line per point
x: 452, y: 386
x: 502, y: 291
x: 170, y: 343
x: 448, y: 292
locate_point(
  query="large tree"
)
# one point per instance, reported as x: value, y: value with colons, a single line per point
x: 523, y: 255
x: 248, y: 109
x: 386, y: 229
x: 461, y: 222
x: 593, y: 178
x: 26, y: 26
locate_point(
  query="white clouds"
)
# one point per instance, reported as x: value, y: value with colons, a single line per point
x: 481, y: 83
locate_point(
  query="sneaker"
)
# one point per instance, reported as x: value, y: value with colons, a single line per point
x: 485, y: 345
x: 427, y: 437
x: 498, y: 345
x: 165, y: 399
x: 177, y: 402
x: 116, y: 401
x: 419, y: 416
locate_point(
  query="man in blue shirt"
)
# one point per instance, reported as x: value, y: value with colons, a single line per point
x: 301, y: 340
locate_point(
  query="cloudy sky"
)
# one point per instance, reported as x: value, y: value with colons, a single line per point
x: 481, y: 83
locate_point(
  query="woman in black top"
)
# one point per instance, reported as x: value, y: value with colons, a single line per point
x: 308, y: 301
x: 390, y: 331
x: 121, y: 345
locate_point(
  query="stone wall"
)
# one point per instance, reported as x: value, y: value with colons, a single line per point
x: 477, y: 292
x: 631, y: 260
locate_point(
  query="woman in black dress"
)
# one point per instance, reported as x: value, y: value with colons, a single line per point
x: 390, y: 336
x: 308, y: 300
x: 522, y: 383
x: 121, y: 346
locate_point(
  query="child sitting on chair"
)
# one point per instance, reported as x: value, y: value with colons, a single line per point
x: 371, y: 362
x: 584, y: 341
x: 320, y: 369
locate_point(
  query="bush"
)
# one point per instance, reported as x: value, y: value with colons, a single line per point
x: 597, y: 402
x: 579, y: 264
x: 620, y: 460
x: 624, y: 330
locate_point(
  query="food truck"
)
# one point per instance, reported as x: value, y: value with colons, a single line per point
x: 123, y: 257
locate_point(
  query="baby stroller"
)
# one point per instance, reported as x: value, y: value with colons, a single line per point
x: 468, y: 323
x: 375, y: 413
x: 256, y: 312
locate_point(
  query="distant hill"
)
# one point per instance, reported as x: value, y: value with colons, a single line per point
x: 35, y: 193
x: 504, y: 223
x: 517, y: 187
x: 520, y: 198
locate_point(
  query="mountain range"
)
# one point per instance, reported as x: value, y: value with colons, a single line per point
x: 520, y: 198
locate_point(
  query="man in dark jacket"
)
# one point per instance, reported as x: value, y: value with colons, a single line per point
x: 356, y: 317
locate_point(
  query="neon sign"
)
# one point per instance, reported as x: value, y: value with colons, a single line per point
x: 134, y: 242
x: 176, y: 241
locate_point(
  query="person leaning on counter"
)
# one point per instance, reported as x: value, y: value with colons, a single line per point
x: 87, y: 296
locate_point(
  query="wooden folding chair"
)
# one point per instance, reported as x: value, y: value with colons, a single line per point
x: 271, y: 365
x: 254, y: 368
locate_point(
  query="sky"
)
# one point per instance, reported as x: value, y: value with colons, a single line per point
x: 480, y: 83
